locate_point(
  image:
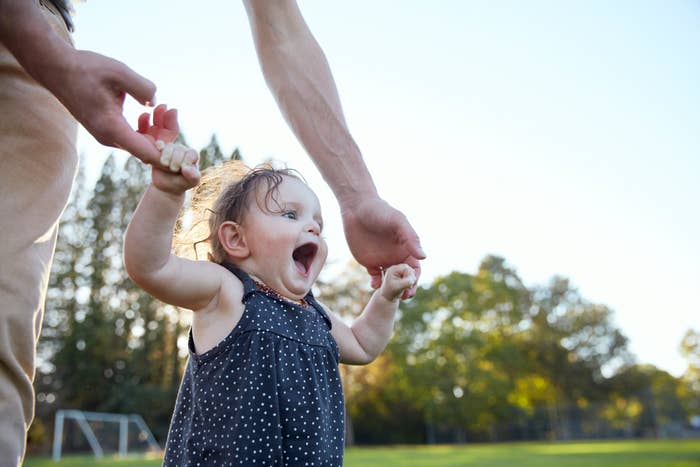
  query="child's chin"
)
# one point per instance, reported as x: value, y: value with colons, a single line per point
x: 299, y: 287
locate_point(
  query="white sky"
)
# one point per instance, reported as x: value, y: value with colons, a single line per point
x: 564, y: 136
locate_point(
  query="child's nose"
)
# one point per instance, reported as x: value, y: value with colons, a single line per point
x: 314, y: 228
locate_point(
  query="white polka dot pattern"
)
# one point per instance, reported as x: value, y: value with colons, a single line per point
x: 268, y: 394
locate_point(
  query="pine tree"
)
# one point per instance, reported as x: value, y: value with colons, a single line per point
x: 107, y: 345
x: 57, y: 346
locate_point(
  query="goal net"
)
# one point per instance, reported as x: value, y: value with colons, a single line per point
x: 102, y: 433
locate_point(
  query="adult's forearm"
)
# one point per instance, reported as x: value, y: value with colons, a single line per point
x: 148, y: 240
x: 31, y: 39
x: 300, y: 79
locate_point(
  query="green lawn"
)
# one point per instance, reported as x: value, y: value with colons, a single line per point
x: 582, y: 454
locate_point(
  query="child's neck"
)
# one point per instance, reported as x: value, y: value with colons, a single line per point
x: 260, y: 284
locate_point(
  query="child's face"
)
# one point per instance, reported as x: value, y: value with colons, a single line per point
x: 287, y: 251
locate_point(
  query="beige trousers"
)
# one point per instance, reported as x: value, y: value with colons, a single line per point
x: 38, y: 162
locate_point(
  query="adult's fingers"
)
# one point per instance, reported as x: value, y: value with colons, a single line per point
x: 412, y: 241
x: 124, y: 137
x: 164, y: 118
x: 158, y: 114
x: 170, y: 120
x: 140, y: 88
x: 415, y: 249
x: 375, y: 280
x: 144, y: 120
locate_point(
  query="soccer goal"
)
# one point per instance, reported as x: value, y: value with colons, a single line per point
x: 96, y: 426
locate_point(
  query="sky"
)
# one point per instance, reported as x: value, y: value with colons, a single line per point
x: 563, y: 136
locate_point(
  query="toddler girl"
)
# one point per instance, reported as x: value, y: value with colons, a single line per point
x: 262, y: 385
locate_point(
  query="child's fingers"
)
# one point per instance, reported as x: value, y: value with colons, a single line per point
x: 177, y: 158
x: 191, y: 175
x: 404, y: 274
x: 401, y: 271
x: 398, y: 279
x: 190, y: 167
x: 191, y: 157
x: 166, y: 155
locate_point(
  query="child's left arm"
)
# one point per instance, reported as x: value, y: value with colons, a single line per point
x: 369, y: 334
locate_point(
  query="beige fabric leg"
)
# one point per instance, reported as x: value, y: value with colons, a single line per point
x: 38, y: 162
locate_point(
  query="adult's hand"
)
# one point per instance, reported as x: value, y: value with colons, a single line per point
x: 380, y: 236
x: 93, y: 89
x: 91, y: 86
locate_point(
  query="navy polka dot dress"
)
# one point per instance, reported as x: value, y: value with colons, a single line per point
x: 268, y: 394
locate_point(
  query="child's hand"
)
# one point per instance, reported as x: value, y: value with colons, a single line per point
x: 183, y: 163
x: 397, y: 279
x: 179, y: 166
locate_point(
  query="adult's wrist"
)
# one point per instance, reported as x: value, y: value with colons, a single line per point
x: 353, y: 194
x: 55, y: 69
x: 37, y: 47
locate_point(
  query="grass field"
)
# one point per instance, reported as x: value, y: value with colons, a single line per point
x: 581, y: 454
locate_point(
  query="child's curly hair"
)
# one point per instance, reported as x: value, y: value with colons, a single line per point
x: 224, y: 194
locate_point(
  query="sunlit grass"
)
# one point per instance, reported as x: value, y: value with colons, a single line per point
x: 576, y: 454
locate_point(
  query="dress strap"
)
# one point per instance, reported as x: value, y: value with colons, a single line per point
x: 311, y: 300
x: 248, y: 283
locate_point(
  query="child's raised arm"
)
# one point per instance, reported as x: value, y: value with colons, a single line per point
x: 369, y: 334
x: 148, y: 240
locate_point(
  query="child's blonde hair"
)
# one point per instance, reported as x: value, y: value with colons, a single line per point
x: 224, y: 194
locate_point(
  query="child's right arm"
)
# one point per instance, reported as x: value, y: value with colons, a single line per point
x: 147, y: 245
x: 150, y: 263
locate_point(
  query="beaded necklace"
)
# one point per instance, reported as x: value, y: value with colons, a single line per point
x: 269, y: 290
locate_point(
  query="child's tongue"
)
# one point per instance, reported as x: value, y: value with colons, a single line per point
x: 300, y: 266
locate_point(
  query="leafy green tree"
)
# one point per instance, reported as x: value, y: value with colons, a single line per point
x: 690, y: 349
x: 100, y: 349
x: 571, y: 343
x: 63, y: 302
x: 459, y: 339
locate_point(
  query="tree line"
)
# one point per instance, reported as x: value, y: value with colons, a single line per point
x: 474, y: 357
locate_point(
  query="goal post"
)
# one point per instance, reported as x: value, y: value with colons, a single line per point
x: 83, y: 418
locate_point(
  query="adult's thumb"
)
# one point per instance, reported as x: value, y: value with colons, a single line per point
x: 412, y: 243
x: 135, y: 143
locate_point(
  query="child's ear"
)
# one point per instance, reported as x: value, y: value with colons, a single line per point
x: 233, y: 240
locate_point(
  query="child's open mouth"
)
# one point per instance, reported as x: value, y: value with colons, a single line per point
x: 303, y: 256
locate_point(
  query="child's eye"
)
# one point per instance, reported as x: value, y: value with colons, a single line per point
x: 290, y: 214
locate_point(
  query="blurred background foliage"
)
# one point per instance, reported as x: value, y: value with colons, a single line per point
x: 474, y: 357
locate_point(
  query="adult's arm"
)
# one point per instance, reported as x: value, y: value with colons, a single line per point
x: 300, y: 79
x: 91, y: 86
